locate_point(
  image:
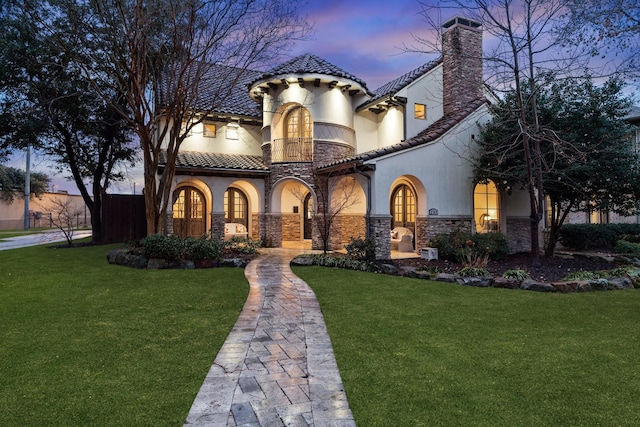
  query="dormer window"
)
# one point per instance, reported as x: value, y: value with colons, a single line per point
x: 420, y: 111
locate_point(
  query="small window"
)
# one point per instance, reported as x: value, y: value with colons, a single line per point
x: 420, y: 111
x: 232, y: 131
x: 209, y: 130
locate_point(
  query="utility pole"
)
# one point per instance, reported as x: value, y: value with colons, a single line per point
x: 27, y: 188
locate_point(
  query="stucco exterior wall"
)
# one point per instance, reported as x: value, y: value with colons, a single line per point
x: 442, y: 167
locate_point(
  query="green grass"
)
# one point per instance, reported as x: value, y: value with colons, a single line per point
x: 86, y: 343
x: 419, y: 353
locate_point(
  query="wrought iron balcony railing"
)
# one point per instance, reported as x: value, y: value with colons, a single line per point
x: 292, y: 150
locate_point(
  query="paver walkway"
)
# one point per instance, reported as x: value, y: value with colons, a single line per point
x: 277, y: 367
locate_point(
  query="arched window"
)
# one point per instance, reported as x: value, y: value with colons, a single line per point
x: 236, y: 207
x: 403, y: 207
x: 486, y: 207
x: 298, y: 123
x: 189, y: 212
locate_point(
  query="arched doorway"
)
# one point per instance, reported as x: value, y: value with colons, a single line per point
x: 403, y: 207
x: 298, y: 136
x: 189, y: 212
x: 308, y: 216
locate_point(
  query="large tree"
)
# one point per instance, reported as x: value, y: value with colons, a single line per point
x: 526, y: 41
x: 610, y: 29
x: 160, y: 53
x: 588, y: 161
x: 12, y: 182
x: 48, y: 103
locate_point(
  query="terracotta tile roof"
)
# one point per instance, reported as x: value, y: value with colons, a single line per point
x: 400, y: 83
x: 216, y: 161
x: 309, y: 63
x: 235, y: 99
x: 432, y: 133
x: 223, y: 89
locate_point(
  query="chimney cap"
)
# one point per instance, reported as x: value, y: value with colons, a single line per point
x: 459, y: 20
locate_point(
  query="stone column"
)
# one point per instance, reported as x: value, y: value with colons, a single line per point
x: 422, y: 233
x: 273, y: 237
x: 379, y: 230
x: 168, y: 224
x: 217, y: 225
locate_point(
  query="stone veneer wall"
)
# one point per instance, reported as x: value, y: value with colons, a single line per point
x: 519, y: 234
x: 352, y: 226
x: 217, y: 225
x: 379, y: 227
x: 433, y: 225
x: 326, y: 152
x: 291, y: 226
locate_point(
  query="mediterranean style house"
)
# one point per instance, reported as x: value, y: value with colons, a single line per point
x: 308, y: 140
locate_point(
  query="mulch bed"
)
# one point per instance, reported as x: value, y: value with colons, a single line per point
x: 552, y: 269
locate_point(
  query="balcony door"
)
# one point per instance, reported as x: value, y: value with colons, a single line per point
x: 298, y: 136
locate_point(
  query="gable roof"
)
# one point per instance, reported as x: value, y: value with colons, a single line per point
x: 430, y: 134
x: 396, y: 85
x: 208, y: 163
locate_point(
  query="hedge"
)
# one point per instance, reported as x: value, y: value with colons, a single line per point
x: 592, y: 236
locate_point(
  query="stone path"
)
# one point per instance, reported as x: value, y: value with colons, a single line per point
x: 277, y: 366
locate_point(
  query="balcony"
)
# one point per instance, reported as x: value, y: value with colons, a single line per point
x: 289, y: 150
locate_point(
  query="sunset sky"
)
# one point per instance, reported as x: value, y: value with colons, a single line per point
x: 366, y: 38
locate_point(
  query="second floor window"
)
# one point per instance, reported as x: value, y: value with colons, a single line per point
x: 420, y: 111
x: 298, y: 123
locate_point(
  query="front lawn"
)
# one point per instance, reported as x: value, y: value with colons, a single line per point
x: 83, y: 342
x: 420, y: 353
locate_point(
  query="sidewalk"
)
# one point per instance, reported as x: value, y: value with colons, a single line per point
x: 39, y: 238
x: 277, y: 366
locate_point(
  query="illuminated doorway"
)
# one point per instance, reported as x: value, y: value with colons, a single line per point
x: 189, y: 212
x: 403, y: 207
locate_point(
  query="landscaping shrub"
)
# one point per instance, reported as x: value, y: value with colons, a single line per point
x: 450, y: 244
x: 327, y: 260
x: 200, y: 249
x: 625, y: 247
x: 243, y: 245
x: 516, y: 274
x: 590, y: 236
x: 161, y: 246
x: 362, y: 249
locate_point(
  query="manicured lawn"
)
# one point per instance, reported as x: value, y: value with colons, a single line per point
x: 85, y: 343
x: 418, y: 353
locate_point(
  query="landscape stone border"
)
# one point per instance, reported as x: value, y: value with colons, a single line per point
x: 602, y: 284
x: 123, y: 256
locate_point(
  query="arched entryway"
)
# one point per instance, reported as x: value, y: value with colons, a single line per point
x: 403, y: 207
x: 189, y: 207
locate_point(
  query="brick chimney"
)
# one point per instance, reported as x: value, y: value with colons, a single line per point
x: 461, y: 63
